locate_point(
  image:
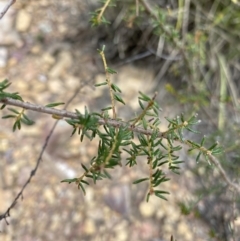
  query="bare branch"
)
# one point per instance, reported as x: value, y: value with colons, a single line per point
x: 5, y: 9
x: 68, y: 114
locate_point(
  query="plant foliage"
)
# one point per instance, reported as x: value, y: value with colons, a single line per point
x: 139, y: 138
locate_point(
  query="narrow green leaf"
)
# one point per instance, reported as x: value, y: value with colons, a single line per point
x: 161, y: 144
x: 107, y: 174
x: 78, y: 112
x: 26, y: 120
x: 14, y: 126
x: 2, y: 107
x: 111, y: 71
x: 182, y: 118
x: 141, y: 180
x: 217, y: 151
x: 159, y: 181
x: 143, y: 140
x: 149, y: 113
x: 157, y: 174
x: 82, y: 187
x: 157, y: 122
x: 194, y: 144
x: 174, y: 167
x: 191, y: 130
x: 73, y: 132
x: 89, y: 176
x: 9, y: 116
x: 86, y: 114
x: 160, y: 196
x: 118, y: 98
x: 54, y: 104
x: 107, y: 108
x: 84, y: 167
x: 4, y: 84
x: 100, y: 84
x: 116, y: 88
x: 156, y: 152
x: 126, y: 143
x: 70, y: 180
x: 18, y: 124
x: 144, y: 122
x: 160, y: 193
x: 198, y: 156
x: 14, y: 111
x: 71, y: 121
x: 85, y: 182
x: 144, y: 97
x: 148, y: 196
x: 176, y: 148
x: 213, y: 146
x: 14, y: 96
x: 156, y: 111
x: 203, y: 140
x: 193, y: 120
x: 141, y: 104
x: 171, y: 121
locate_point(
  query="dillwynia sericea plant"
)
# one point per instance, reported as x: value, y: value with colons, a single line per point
x: 138, y: 137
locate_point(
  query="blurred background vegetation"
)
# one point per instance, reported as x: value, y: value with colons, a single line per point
x: 192, y: 48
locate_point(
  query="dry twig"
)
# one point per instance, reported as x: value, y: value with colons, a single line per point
x: 7, y: 6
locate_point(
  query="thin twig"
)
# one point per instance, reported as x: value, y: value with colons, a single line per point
x: 108, y: 79
x: 5, y: 9
x: 103, y: 10
x: 68, y: 114
x: 114, y: 123
x: 216, y: 162
x: 137, y: 8
x: 32, y: 173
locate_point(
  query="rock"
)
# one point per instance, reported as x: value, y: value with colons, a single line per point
x: 63, y: 63
x: 47, y: 61
x: 36, y: 49
x: 146, y: 209
x: 117, y: 198
x: 89, y: 227
x: 121, y: 231
x: 55, y: 86
x: 49, y: 195
x: 72, y: 82
x: 131, y: 80
x: 184, y: 230
x: 23, y: 21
